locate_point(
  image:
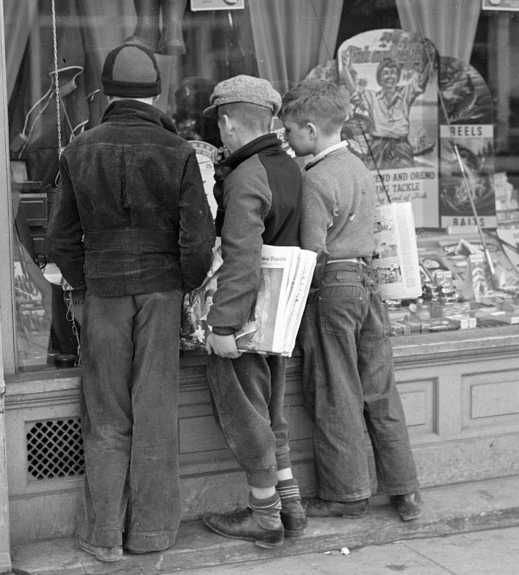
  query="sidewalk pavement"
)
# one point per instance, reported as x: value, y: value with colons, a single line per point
x: 480, y: 520
x: 494, y: 552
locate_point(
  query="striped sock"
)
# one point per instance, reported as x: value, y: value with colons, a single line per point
x: 267, y: 505
x: 288, y: 490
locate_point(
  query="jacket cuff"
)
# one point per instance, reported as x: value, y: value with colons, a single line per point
x: 223, y: 330
x: 78, y: 296
x: 75, y: 279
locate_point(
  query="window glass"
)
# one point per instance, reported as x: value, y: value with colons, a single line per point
x: 54, y: 54
x: 56, y: 95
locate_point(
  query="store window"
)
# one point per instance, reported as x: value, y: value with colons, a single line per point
x: 54, y: 53
x: 452, y: 153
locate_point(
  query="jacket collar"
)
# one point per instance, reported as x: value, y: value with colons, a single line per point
x: 127, y: 110
x: 254, y: 147
x: 321, y: 155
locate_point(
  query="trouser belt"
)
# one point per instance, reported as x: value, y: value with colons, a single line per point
x: 347, y: 260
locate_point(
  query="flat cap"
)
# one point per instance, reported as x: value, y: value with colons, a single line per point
x: 243, y: 88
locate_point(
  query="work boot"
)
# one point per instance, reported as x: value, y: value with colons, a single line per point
x: 293, y: 517
x: 407, y: 505
x: 104, y: 554
x: 316, y: 507
x: 264, y: 529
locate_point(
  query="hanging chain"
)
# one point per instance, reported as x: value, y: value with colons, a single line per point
x: 71, y: 317
x: 56, y: 79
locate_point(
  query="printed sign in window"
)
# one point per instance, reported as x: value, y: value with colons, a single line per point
x: 501, y: 5
x: 201, y: 5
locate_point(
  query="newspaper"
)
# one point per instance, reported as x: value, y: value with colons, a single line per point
x: 286, y: 274
x: 397, y: 262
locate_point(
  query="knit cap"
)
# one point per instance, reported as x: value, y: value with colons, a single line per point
x: 244, y: 88
x: 131, y: 71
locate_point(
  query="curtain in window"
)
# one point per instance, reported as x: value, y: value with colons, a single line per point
x: 18, y: 17
x: 293, y: 36
x: 450, y: 24
x: 107, y: 24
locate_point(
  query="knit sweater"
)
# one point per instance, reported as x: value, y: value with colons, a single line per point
x: 338, y: 206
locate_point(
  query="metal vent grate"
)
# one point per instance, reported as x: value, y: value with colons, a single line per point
x: 55, y: 449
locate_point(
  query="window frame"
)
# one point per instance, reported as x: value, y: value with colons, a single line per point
x: 7, y: 303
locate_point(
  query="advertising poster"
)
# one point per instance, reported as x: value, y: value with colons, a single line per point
x: 391, y: 78
x: 466, y: 147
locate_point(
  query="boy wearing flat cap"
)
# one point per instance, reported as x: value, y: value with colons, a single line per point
x: 132, y: 230
x: 258, y: 190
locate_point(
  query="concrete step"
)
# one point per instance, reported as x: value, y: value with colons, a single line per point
x: 448, y: 510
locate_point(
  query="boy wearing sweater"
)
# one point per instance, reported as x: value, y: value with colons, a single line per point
x: 348, y: 372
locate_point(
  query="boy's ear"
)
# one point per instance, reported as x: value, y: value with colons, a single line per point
x: 226, y: 122
x: 312, y: 129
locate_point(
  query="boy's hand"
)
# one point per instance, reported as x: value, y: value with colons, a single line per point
x: 222, y: 345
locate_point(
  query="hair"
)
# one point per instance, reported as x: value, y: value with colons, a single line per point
x: 252, y: 117
x: 388, y: 63
x: 317, y: 101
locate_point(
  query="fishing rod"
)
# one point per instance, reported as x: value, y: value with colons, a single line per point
x: 464, y: 175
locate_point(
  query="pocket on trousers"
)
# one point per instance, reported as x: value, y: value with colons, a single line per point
x: 341, y: 307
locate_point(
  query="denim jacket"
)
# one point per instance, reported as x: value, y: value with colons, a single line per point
x: 131, y: 215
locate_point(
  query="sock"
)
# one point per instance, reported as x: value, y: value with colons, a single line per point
x: 267, y: 505
x: 288, y: 490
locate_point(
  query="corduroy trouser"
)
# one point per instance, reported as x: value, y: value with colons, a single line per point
x: 130, y: 358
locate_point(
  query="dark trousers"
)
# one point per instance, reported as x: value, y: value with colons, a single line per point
x: 349, y: 386
x: 129, y: 414
x: 248, y: 395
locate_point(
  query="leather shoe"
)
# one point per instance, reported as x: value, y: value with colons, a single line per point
x: 408, y: 505
x: 293, y: 517
x: 265, y: 530
x: 322, y: 508
x: 104, y: 554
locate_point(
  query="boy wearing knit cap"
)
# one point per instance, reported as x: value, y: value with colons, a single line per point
x: 131, y: 231
x: 348, y: 371
x: 258, y: 190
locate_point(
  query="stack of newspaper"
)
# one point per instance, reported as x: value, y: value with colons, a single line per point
x: 286, y: 275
